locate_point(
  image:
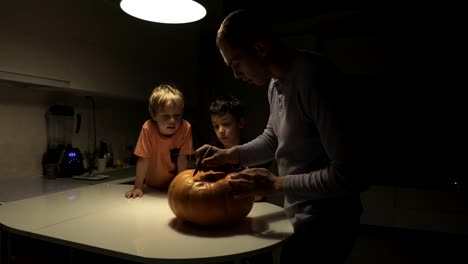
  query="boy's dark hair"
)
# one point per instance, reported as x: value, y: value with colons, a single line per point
x: 227, y: 104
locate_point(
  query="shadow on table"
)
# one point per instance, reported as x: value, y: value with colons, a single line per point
x: 255, y: 226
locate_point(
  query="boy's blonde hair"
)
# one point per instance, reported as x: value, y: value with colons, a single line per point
x: 162, y: 95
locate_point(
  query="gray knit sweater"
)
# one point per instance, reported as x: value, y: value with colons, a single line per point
x: 305, y: 134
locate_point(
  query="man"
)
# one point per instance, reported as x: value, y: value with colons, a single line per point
x: 304, y: 132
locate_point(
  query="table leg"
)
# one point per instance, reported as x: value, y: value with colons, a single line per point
x: 71, y: 254
x: 276, y: 255
x: 5, y: 250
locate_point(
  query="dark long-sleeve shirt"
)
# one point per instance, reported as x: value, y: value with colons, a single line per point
x: 305, y: 132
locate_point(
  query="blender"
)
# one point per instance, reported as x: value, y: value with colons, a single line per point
x: 61, y: 159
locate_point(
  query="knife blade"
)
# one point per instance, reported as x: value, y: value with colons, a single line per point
x: 199, y: 162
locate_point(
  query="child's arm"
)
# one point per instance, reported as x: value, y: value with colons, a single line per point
x: 141, y: 168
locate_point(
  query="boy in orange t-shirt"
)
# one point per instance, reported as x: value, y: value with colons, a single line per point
x: 164, y: 141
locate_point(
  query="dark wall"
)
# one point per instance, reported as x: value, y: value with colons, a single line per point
x: 409, y: 118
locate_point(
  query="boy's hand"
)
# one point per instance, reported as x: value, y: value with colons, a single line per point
x: 217, y: 156
x: 134, y: 193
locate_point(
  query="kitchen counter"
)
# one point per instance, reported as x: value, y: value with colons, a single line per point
x: 98, y: 218
x: 27, y: 187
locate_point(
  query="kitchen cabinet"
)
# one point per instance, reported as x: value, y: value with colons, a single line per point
x: 379, y: 206
x: 416, y: 209
x: 33, y: 39
x: 67, y: 41
x: 104, y: 56
x: 94, y: 47
x: 99, y: 70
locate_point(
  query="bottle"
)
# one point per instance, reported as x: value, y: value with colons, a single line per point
x: 103, y: 150
x: 110, y: 156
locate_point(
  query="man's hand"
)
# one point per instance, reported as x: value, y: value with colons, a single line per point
x: 256, y: 181
x: 217, y: 157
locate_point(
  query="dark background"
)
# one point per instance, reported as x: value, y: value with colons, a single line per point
x: 406, y: 113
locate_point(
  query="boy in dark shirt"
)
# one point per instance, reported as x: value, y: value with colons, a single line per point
x: 227, y: 118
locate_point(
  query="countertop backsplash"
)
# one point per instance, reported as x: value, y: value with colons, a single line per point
x: 23, y: 132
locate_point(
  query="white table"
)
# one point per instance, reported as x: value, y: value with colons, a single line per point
x: 98, y: 218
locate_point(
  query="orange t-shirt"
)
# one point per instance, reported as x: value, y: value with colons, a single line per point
x: 163, y: 151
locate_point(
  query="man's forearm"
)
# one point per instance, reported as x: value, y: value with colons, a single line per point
x: 234, y: 157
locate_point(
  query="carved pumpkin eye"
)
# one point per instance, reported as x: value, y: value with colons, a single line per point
x: 206, y: 198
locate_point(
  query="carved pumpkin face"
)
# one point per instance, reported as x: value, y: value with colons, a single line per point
x: 206, y: 198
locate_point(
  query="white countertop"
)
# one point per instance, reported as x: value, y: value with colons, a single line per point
x: 13, y: 189
x: 20, y: 188
x: 99, y: 218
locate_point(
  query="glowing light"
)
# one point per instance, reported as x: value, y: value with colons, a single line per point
x: 164, y: 11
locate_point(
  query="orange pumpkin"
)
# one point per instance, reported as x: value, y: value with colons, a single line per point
x: 206, y: 198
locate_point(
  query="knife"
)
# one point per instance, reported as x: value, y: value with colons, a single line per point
x: 199, y: 162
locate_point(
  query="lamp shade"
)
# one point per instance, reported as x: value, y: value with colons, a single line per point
x: 164, y: 11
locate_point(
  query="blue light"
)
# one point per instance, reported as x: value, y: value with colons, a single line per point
x: 72, y: 154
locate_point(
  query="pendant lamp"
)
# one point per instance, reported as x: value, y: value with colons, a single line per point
x: 164, y: 11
